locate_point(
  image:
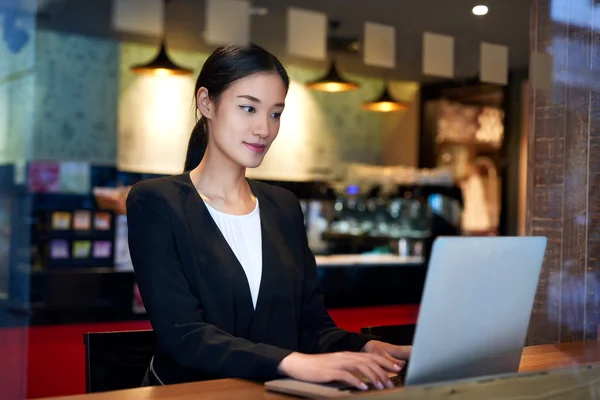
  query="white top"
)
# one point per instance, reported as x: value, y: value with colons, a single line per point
x: 244, y: 236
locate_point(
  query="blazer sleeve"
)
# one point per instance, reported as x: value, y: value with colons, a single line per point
x: 319, y: 333
x: 175, y: 313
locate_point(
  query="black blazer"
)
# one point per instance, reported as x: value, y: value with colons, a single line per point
x: 197, y: 295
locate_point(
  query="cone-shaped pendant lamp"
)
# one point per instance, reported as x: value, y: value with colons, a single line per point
x: 161, y: 65
x: 385, y: 103
x: 332, y: 82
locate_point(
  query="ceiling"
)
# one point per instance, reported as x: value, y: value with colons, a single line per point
x: 507, y: 23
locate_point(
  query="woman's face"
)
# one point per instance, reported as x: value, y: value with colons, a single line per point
x: 245, y: 121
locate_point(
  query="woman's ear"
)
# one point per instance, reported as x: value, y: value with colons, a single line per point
x: 205, y: 104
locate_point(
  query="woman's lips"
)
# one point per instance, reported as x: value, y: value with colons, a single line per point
x: 255, y: 147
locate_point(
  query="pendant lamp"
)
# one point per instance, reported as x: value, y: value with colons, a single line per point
x: 161, y: 65
x: 384, y: 103
x: 332, y: 82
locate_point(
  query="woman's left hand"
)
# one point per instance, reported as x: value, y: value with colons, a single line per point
x: 397, y: 354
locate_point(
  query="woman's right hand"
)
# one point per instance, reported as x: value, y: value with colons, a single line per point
x: 342, y: 367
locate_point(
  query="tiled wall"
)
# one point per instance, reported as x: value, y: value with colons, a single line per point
x: 564, y: 172
x: 76, y: 98
x: 17, y: 89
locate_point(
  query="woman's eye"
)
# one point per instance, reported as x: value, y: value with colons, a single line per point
x: 248, y: 109
x: 276, y: 115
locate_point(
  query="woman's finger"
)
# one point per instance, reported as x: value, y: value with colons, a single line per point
x: 356, y: 362
x: 399, y: 363
x: 387, y: 363
x: 350, y: 379
x: 370, y: 372
x: 395, y: 361
x: 400, y: 352
x: 387, y: 356
x: 382, y: 375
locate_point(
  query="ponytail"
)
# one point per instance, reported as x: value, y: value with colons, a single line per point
x: 196, y: 145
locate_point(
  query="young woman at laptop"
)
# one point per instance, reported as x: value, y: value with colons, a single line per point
x: 222, y: 261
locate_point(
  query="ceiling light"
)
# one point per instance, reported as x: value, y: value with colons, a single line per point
x: 385, y: 103
x: 332, y: 82
x: 161, y: 65
x: 480, y: 10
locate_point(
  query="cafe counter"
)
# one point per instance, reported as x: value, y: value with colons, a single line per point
x: 90, y: 295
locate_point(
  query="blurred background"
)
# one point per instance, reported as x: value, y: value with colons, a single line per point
x: 405, y: 121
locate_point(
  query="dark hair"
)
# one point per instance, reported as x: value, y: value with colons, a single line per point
x: 223, y: 67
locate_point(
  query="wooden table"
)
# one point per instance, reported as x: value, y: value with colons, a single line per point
x: 535, y: 358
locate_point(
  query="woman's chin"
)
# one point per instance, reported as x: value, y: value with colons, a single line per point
x: 254, y: 164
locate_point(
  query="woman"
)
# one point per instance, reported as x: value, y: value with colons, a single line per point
x: 222, y: 262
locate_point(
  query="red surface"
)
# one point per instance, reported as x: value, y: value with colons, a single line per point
x: 352, y: 319
x: 56, y: 358
x: 13, y: 345
x: 56, y: 361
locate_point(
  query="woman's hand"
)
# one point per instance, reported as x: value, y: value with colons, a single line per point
x: 343, y: 367
x: 389, y: 351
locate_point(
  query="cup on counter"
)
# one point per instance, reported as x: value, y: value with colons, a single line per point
x: 403, y: 248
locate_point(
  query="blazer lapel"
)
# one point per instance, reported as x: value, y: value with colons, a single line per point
x: 219, y: 265
x: 276, y: 282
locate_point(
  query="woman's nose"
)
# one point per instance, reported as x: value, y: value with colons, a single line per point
x: 262, y: 128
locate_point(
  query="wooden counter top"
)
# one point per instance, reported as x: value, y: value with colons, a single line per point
x: 535, y: 358
x: 367, y: 260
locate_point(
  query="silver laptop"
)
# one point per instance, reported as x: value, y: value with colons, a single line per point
x: 475, y: 307
x: 474, y: 312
